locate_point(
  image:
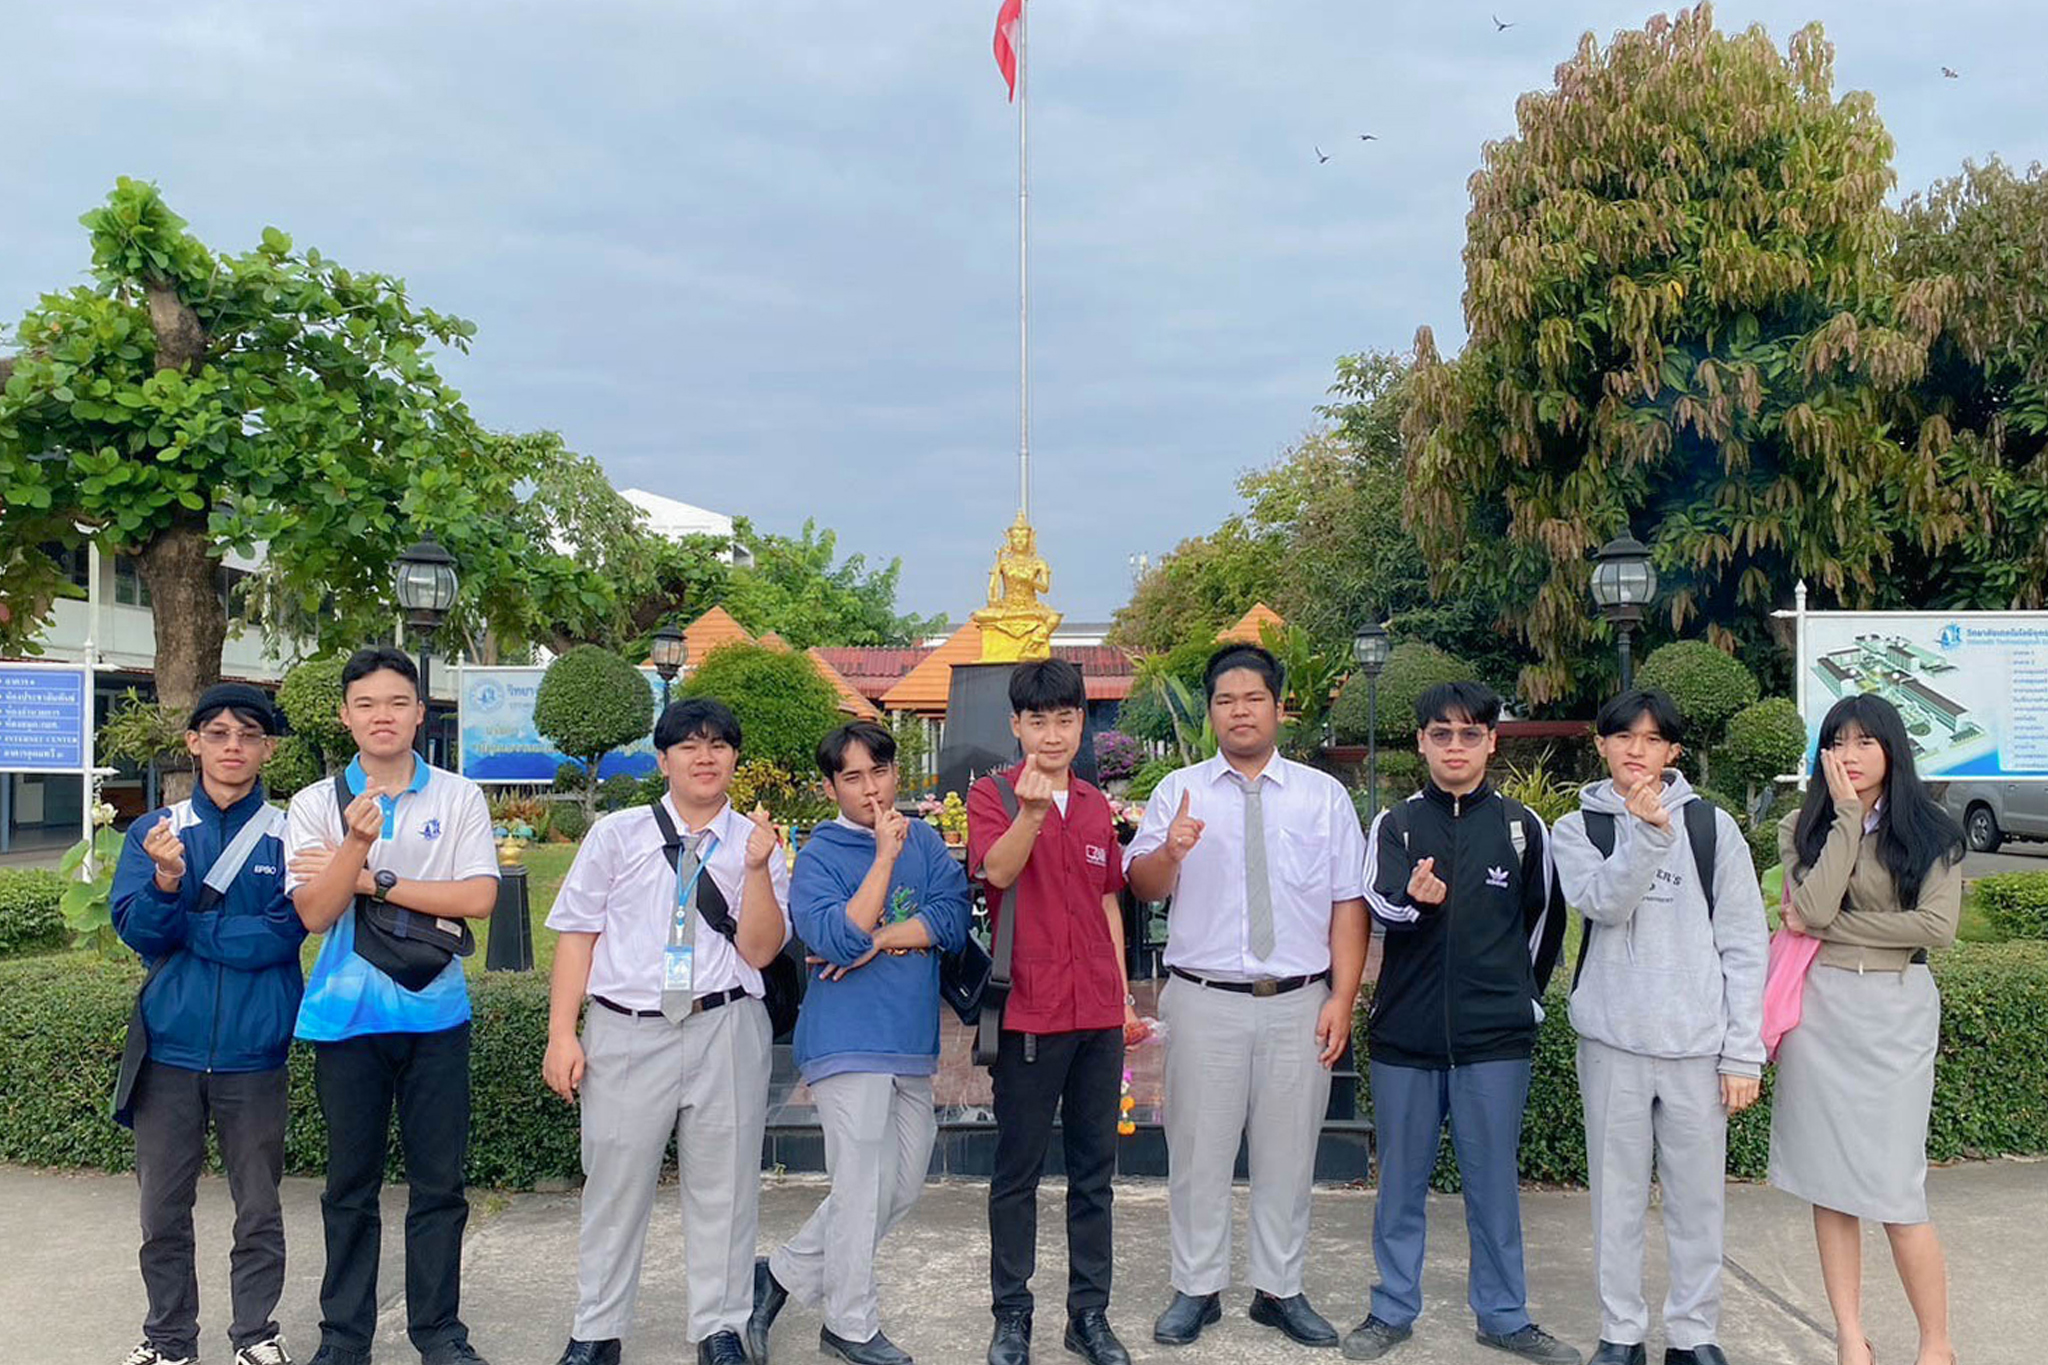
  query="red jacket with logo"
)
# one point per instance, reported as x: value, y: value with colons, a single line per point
x: 1065, y: 973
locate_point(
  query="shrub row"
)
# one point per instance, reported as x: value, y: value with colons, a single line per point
x: 2016, y: 903
x: 30, y: 920
x: 62, y: 1019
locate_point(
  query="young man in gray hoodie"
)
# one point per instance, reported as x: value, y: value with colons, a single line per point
x: 1667, y: 1000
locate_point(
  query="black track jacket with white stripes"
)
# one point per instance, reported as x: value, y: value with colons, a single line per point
x: 1460, y: 982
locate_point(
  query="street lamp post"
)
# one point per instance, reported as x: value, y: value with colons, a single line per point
x: 668, y: 651
x: 1624, y: 582
x: 1369, y: 650
x: 426, y: 583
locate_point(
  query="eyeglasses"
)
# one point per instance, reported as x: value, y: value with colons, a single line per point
x: 1462, y: 736
x: 218, y: 737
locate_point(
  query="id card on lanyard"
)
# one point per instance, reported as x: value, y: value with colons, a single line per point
x: 679, y: 960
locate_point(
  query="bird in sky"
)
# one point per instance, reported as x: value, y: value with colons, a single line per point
x: 1499, y: 27
x: 1951, y: 73
x: 1321, y: 156
x: 1368, y: 137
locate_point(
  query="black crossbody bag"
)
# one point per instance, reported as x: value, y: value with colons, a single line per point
x: 409, y: 947
x: 782, y: 980
x: 975, y: 984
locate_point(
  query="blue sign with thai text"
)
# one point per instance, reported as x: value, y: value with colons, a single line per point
x: 500, y: 743
x: 44, y: 713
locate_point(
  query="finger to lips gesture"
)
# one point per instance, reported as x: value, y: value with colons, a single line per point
x: 1646, y: 802
x: 364, y: 817
x: 892, y: 828
x: 1183, y: 832
x: 1424, y: 886
x: 166, y: 850
x: 763, y: 839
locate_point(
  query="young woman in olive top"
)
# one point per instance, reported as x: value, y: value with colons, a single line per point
x: 1872, y: 872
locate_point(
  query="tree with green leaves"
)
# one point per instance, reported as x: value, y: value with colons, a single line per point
x: 784, y: 705
x: 590, y: 702
x: 795, y: 589
x: 1203, y: 586
x: 1680, y: 320
x: 188, y: 401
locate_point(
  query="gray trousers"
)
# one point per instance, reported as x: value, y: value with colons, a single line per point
x: 705, y: 1081
x: 879, y: 1131
x: 247, y: 1110
x: 1241, y: 1065
x: 1636, y: 1105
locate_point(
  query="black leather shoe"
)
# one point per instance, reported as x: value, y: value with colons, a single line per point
x: 1610, y: 1353
x: 769, y: 1296
x: 876, y: 1350
x: 1088, y: 1336
x: 1011, y: 1342
x: 1705, y: 1354
x: 604, y: 1352
x: 1294, y: 1317
x: 721, y: 1348
x: 1373, y: 1338
x: 1185, y: 1318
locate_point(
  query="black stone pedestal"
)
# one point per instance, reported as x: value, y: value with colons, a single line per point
x: 977, y: 737
x: 511, y: 944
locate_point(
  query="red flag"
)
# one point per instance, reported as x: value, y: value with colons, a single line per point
x: 1007, y: 20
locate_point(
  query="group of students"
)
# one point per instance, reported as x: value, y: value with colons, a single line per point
x: 674, y: 922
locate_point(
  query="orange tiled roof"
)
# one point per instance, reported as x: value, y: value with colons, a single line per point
x: 850, y: 699
x: 714, y: 628
x: 775, y: 642
x: 924, y: 689
x: 1249, y: 625
x: 874, y: 669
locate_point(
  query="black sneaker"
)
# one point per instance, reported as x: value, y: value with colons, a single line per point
x: 146, y: 1354
x: 269, y: 1351
x: 1531, y: 1343
x: 1373, y: 1338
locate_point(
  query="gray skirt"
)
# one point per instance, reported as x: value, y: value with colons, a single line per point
x: 1855, y: 1083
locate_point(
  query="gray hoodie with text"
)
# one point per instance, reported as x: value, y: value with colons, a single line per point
x: 1662, y: 979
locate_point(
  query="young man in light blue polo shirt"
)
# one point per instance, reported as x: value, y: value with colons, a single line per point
x: 389, y: 1026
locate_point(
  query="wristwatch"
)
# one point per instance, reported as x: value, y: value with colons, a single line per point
x: 385, y: 880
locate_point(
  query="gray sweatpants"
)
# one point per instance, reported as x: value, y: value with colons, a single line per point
x: 1241, y: 1065
x: 706, y: 1081
x: 879, y: 1131
x: 1637, y: 1105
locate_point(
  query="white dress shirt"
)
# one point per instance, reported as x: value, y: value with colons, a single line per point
x: 1315, y: 857
x: 622, y: 889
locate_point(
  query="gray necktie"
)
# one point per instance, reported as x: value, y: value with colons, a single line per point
x: 682, y: 928
x: 1258, y: 891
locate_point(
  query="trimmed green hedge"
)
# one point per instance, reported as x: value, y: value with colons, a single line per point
x: 1990, y: 1099
x: 62, y: 1018
x: 30, y: 920
x: 2016, y: 903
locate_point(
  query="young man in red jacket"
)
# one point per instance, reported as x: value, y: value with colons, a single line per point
x: 1057, y: 867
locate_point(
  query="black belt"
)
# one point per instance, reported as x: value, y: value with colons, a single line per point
x: 1271, y: 986
x: 697, y: 1006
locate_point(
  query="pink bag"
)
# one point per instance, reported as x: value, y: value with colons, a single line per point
x: 1785, y: 984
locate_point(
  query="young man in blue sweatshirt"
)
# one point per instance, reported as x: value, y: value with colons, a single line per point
x: 876, y: 897
x: 217, y: 1006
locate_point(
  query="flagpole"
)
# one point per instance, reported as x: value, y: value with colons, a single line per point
x: 1023, y: 264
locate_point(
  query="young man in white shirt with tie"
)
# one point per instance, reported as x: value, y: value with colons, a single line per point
x: 676, y: 1039
x: 1266, y: 942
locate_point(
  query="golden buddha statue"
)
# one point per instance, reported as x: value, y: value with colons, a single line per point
x: 1015, y: 625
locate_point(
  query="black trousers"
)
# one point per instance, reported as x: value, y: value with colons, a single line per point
x: 247, y: 1111
x: 1079, y: 1075
x: 426, y: 1077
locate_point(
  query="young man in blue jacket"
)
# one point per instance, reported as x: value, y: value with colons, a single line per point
x: 874, y: 895
x: 218, y: 1005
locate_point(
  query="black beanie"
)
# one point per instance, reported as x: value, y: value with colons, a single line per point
x: 240, y: 698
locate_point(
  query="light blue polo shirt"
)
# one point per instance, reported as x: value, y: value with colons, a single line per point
x: 437, y: 829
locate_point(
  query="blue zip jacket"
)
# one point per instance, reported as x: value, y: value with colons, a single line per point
x: 883, y: 1017
x: 228, y: 996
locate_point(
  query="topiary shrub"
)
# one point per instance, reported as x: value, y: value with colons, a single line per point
x: 784, y: 706
x: 1412, y: 668
x: 2016, y: 903
x: 1763, y: 834
x: 619, y: 791
x: 30, y: 918
x: 293, y: 765
x: 568, y: 821
x: 591, y: 702
x: 1708, y: 686
x: 310, y: 697
x: 570, y: 778
x: 1763, y: 741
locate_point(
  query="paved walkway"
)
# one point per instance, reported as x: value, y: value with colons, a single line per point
x: 71, y: 1296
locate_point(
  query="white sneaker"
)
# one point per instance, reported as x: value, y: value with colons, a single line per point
x: 146, y: 1354
x: 269, y: 1352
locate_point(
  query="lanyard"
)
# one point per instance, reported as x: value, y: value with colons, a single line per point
x: 684, y: 888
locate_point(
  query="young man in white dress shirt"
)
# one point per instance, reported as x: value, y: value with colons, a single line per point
x: 676, y: 1040
x: 1266, y: 942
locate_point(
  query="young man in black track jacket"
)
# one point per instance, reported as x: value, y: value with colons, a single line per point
x: 1459, y: 878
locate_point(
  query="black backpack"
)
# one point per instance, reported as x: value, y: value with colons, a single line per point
x: 1702, y: 831
x: 782, y: 979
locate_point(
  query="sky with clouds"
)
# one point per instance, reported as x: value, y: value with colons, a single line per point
x: 760, y: 255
